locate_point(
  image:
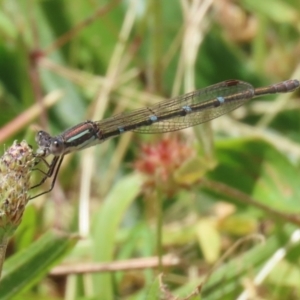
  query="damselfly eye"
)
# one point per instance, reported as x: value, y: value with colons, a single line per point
x: 56, y: 147
x: 56, y: 144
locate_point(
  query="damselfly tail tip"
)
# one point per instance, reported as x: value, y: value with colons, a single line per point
x: 292, y: 84
x: 286, y: 86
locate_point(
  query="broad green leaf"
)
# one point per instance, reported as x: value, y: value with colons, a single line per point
x: 276, y: 10
x: 105, y: 227
x: 285, y: 274
x: 154, y: 291
x: 239, y: 224
x: 7, y: 26
x: 209, y: 239
x: 259, y: 170
x: 193, y: 170
x: 228, y: 276
x: 24, y: 234
x: 25, y: 268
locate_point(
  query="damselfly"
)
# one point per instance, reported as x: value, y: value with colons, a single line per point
x: 181, y: 112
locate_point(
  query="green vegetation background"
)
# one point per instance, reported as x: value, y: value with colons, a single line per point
x: 222, y: 202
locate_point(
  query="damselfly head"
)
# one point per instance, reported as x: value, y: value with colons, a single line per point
x: 43, y: 139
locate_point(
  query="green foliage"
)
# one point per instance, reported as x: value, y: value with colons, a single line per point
x: 31, y: 264
x: 225, y: 209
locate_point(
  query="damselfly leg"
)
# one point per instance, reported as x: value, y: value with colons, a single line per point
x: 52, y: 171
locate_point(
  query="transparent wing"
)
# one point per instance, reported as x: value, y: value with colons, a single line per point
x: 201, y: 104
